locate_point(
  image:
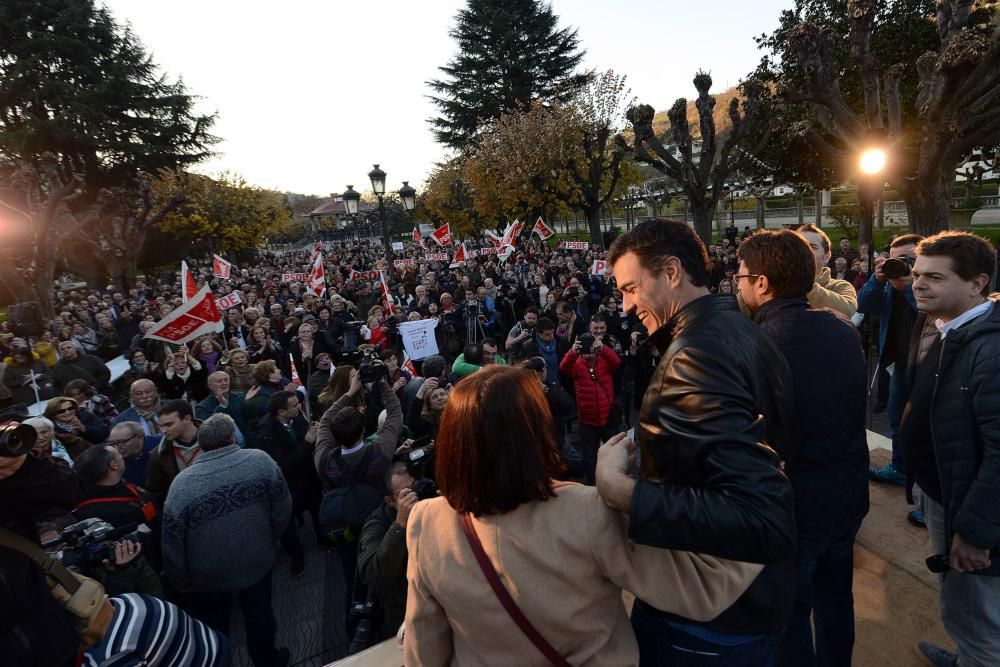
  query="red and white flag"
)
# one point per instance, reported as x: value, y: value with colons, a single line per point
x: 418, y: 239
x: 295, y: 372
x: 442, y: 235
x: 317, y: 250
x: 407, y: 365
x: 221, y: 268
x: 497, y: 241
x: 196, y: 317
x: 316, y: 282
x: 387, y: 302
x: 510, y: 234
x: 543, y: 230
x: 188, y: 285
x: 460, y: 256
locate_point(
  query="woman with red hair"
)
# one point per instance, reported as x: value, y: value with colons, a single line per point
x: 503, y: 527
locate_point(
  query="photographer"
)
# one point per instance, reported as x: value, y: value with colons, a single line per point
x: 383, y: 555
x: 34, y: 629
x: 110, y: 498
x: 352, y: 469
x: 521, y: 332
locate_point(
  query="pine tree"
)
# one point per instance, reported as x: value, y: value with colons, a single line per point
x: 510, y: 52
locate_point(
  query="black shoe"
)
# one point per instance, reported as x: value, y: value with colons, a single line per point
x: 935, y: 656
x: 282, y: 657
x: 298, y: 567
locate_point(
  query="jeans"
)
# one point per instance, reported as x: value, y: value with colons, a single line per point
x: 824, y: 597
x: 897, y: 402
x: 969, y: 603
x: 663, y: 644
x: 590, y: 439
x: 214, y: 608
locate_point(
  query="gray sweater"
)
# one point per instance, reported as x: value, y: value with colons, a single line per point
x: 221, y: 519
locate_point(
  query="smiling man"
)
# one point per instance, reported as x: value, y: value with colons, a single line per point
x: 714, y: 425
x: 950, y: 438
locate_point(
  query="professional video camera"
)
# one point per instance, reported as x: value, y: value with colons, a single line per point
x: 371, y: 368
x: 88, y: 543
x: 352, y: 337
x: 898, y: 267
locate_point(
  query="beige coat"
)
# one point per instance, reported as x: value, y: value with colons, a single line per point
x: 565, y: 562
x: 826, y: 292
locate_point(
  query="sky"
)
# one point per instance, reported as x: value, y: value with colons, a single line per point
x: 311, y: 93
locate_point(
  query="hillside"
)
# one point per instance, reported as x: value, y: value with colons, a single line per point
x: 661, y: 125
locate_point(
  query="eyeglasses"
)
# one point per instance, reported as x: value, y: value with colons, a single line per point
x: 738, y: 276
x: 121, y: 443
x: 61, y: 411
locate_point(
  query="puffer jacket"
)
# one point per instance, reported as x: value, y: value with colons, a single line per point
x: 966, y: 433
x: 715, y: 423
x: 594, y: 397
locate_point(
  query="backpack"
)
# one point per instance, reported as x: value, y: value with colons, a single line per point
x: 346, y: 506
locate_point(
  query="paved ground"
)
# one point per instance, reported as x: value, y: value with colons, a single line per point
x: 895, y: 595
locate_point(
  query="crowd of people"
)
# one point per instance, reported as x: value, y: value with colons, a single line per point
x: 680, y: 406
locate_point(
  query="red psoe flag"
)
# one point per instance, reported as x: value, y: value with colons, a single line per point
x: 543, y: 230
x: 510, y: 234
x: 460, y: 256
x: 221, y: 268
x: 196, y: 317
x: 442, y: 235
x: 387, y: 302
x: 295, y: 371
x: 316, y: 283
x: 188, y: 285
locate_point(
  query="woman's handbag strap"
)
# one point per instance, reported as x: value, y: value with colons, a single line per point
x: 505, y: 599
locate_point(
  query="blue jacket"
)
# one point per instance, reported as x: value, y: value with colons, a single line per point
x: 875, y: 298
x: 235, y: 409
x: 829, y: 471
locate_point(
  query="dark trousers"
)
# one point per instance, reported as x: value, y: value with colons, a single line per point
x: 214, y: 609
x: 824, y: 599
x: 291, y: 543
x: 897, y: 402
x: 663, y: 644
x: 347, y: 553
x: 590, y: 439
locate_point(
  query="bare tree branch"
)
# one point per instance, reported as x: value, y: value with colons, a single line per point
x: 861, y: 14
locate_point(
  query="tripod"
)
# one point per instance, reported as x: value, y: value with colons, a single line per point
x: 473, y: 322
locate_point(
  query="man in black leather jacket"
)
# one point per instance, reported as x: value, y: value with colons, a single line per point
x: 715, y: 424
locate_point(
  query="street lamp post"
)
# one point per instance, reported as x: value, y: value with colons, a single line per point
x: 377, y: 177
x: 351, y: 199
x: 872, y: 164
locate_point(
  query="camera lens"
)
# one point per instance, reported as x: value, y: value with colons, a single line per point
x: 16, y: 439
x: 896, y: 268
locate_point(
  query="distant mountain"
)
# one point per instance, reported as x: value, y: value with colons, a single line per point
x: 661, y: 125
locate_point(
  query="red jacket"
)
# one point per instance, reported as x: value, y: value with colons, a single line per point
x: 593, y: 399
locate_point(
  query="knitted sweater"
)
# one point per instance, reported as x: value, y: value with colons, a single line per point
x: 221, y: 519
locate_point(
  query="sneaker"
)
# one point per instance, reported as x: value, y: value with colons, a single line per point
x: 935, y: 656
x: 916, y: 517
x: 298, y: 567
x: 887, y: 474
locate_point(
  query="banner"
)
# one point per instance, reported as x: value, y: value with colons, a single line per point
x: 436, y: 257
x: 576, y: 245
x: 188, y: 285
x: 316, y: 282
x: 418, y: 338
x: 220, y: 267
x: 364, y: 275
x: 398, y: 263
x: 492, y: 250
x: 228, y: 301
x: 599, y: 268
x: 543, y: 230
x: 294, y: 277
x: 505, y: 254
x: 197, y: 317
x: 497, y: 241
x: 442, y: 235
x: 397, y: 245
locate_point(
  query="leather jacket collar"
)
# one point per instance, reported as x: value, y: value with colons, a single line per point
x: 775, y: 307
x: 703, y: 306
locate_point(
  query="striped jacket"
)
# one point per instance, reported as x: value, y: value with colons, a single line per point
x: 148, y: 631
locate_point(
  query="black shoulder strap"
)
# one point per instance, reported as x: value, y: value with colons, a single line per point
x: 49, y: 565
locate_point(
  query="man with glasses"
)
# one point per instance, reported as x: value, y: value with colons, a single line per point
x: 134, y: 446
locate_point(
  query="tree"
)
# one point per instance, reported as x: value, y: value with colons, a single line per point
x: 935, y: 105
x: 226, y: 214
x: 701, y: 177
x: 510, y: 53
x: 447, y: 198
x: 83, y: 108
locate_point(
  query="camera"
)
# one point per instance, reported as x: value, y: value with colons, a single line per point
x: 898, y: 267
x: 371, y: 369
x: 16, y: 439
x: 587, y: 343
x: 88, y: 543
x: 425, y: 488
x: 364, y: 617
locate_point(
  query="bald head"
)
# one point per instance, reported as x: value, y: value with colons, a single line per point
x: 143, y: 394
